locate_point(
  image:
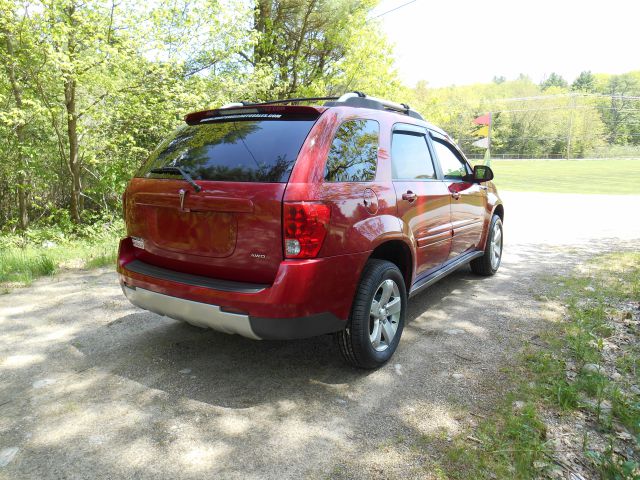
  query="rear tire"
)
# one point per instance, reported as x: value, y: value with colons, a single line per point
x: 489, y: 263
x: 377, y: 316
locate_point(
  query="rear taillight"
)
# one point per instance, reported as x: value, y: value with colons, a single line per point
x: 305, y: 226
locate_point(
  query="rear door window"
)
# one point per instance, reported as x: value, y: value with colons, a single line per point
x: 410, y: 156
x: 354, y: 152
x: 235, y: 151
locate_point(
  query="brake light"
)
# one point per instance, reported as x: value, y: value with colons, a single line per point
x: 305, y: 225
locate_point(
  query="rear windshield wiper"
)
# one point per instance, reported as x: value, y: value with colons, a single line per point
x: 179, y: 171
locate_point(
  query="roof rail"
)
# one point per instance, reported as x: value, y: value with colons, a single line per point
x: 359, y: 99
x: 278, y: 102
x: 234, y: 105
x: 352, y: 99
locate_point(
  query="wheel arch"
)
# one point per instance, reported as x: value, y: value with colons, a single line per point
x: 499, y: 210
x: 398, y: 252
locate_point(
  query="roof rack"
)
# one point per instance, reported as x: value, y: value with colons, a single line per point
x: 277, y: 102
x: 359, y: 99
x: 351, y: 99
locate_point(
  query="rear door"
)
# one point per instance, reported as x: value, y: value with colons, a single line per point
x: 422, y: 199
x: 468, y: 200
x: 232, y: 228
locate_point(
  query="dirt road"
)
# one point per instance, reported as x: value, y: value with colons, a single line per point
x: 91, y: 387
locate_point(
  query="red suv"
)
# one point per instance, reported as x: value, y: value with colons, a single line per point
x: 281, y: 221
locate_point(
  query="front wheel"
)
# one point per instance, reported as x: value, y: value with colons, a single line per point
x: 377, y: 317
x: 489, y: 263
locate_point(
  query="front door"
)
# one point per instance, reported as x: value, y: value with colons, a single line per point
x: 468, y: 199
x: 422, y: 199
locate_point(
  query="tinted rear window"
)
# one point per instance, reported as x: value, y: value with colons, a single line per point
x: 242, y: 151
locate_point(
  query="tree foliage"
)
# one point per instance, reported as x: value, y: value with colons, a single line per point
x: 87, y: 89
x: 554, y: 80
x: 595, y: 114
x: 320, y: 47
x: 585, y: 82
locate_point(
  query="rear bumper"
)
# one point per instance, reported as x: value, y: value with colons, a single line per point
x: 211, y: 316
x: 307, y: 298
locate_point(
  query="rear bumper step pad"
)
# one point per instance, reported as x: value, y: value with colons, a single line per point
x: 143, y: 268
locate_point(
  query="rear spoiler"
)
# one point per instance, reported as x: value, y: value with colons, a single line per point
x: 239, y: 112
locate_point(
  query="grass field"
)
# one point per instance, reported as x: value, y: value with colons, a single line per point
x: 604, y: 176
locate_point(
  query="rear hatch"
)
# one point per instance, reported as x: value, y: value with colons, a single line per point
x: 240, y: 160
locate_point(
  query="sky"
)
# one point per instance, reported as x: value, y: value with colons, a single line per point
x: 458, y: 42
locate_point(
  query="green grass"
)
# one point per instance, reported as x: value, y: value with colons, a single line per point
x: 23, y: 265
x: 512, y: 441
x: 604, y: 176
x: 42, y: 252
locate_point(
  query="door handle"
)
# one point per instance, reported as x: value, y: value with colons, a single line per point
x: 483, y: 187
x: 409, y: 196
x: 455, y: 195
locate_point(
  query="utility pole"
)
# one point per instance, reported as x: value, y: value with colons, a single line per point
x: 570, y: 132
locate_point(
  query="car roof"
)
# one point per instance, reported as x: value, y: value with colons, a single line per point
x: 374, y: 107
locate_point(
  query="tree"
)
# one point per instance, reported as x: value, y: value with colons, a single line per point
x: 25, y: 151
x: 88, y: 88
x: 312, y: 47
x: 79, y: 46
x: 585, y: 82
x: 621, y: 108
x: 9, y: 55
x: 554, y: 80
x: 541, y: 124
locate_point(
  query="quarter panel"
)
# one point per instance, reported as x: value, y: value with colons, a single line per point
x: 354, y: 226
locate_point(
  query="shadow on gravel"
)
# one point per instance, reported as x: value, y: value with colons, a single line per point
x: 232, y: 371
x: 235, y: 372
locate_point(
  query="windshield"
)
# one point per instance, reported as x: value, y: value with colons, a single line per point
x: 242, y: 151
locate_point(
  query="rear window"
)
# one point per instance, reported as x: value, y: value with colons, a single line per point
x: 241, y: 151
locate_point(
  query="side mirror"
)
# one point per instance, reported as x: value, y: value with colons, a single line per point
x: 482, y: 173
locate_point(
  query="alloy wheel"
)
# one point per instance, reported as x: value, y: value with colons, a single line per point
x: 496, y: 245
x: 384, y: 315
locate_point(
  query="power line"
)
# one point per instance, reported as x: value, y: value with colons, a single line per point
x: 368, y: 19
x: 493, y: 101
x: 393, y: 9
x: 508, y: 138
x: 566, y: 95
x: 594, y: 155
x: 578, y: 107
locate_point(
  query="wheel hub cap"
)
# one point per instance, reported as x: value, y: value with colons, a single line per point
x: 496, y: 246
x: 384, y: 315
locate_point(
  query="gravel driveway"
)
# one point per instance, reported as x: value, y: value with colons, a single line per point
x: 92, y: 387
